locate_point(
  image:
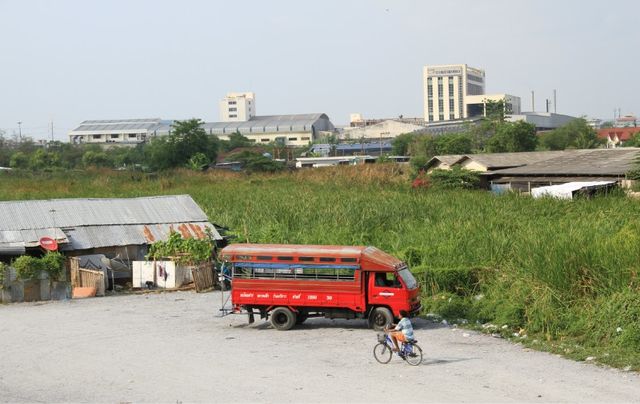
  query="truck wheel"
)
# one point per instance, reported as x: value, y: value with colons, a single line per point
x: 380, y: 318
x: 282, y: 318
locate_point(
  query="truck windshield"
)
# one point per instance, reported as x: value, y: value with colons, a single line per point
x: 407, y: 277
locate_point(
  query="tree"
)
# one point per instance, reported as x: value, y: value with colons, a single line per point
x: 400, y: 144
x: 19, y: 160
x: 236, y: 140
x: 43, y: 159
x: 455, y: 143
x: 576, y: 134
x: 513, y: 137
x: 496, y: 110
x: 198, y: 161
x: 255, y: 162
x: 175, y: 150
x: 95, y: 159
x: 634, y: 141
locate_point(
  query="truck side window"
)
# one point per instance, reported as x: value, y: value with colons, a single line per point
x: 391, y: 280
x: 381, y: 279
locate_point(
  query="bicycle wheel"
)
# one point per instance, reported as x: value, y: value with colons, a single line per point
x: 414, y: 358
x: 382, y: 353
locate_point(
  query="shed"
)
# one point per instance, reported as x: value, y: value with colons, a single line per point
x: 112, y: 226
x: 570, y: 166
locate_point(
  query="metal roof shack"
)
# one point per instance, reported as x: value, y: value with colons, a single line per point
x: 573, y: 165
x: 490, y: 161
x: 80, y: 225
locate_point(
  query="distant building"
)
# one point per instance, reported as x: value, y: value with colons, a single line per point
x: 617, y: 136
x: 594, y: 123
x: 128, y: 132
x: 446, y: 88
x: 352, y: 149
x: 238, y: 107
x: 288, y: 130
x: 382, y: 129
x: 542, y: 120
x: 456, y: 92
x: 627, y: 121
x: 315, y: 162
x: 476, y: 105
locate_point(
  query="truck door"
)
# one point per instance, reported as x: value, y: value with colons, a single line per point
x: 385, y: 289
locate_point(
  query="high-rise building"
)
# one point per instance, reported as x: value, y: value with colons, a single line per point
x: 445, y: 90
x: 238, y: 107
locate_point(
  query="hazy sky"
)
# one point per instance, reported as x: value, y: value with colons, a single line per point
x: 68, y: 60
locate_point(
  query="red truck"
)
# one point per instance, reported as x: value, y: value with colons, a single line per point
x: 291, y: 283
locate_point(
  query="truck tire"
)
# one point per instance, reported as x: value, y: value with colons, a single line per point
x: 380, y: 318
x: 283, y: 319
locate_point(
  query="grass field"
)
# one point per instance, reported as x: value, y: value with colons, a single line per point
x: 563, y: 273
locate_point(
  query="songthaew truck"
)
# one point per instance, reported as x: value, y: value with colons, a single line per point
x: 290, y: 283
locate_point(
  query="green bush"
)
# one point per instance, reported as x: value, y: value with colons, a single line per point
x: 612, y: 320
x: 53, y: 263
x: 456, y: 178
x: 460, y: 281
x: 28, y: 267
x: 183, y: 250
x: 448, y: 305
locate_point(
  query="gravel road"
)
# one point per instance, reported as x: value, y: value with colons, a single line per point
x: 174, y: 347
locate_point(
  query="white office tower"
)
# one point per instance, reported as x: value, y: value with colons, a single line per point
x: 446, y: 88
x: 238, y: 107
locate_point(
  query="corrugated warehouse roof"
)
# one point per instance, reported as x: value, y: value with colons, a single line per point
x: 119, y: 125
x: 267, y: 123
x: 92, y: 223
x: 590, y: 162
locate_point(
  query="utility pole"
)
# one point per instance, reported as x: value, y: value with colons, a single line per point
x: 20, y: 131
x: 555, y: 102
x: 52, y: 130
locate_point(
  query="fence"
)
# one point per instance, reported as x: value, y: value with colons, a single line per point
x: 203, y: 278
x: 81, y: 277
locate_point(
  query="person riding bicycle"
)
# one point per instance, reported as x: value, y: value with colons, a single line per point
x: 403, y: 331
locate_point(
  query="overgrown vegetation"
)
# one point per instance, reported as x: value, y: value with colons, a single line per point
x: 188, y: 251
x: 565, y: 274
x: 28, y: 267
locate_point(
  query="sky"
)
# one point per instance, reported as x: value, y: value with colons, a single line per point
x: 66, y: 61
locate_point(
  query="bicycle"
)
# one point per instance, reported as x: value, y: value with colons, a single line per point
x: 410, y: 352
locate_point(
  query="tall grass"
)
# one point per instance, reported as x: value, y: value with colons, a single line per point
x: 545, y: 266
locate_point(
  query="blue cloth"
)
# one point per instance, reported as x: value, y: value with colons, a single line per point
x: 405, y: 326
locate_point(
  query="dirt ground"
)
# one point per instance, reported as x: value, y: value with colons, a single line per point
x: 174, y: 347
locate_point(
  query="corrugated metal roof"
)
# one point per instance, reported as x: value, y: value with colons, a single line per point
x: 40, y: 214
x: 448, y: 159
x: 92, y: 223
x: 591, y: 162
x: 118, y: 125
x: 81, y: 238
x: 498, y: 160
x: 268, y: 123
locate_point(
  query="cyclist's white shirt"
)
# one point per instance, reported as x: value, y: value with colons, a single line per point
x: 405, y: 326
